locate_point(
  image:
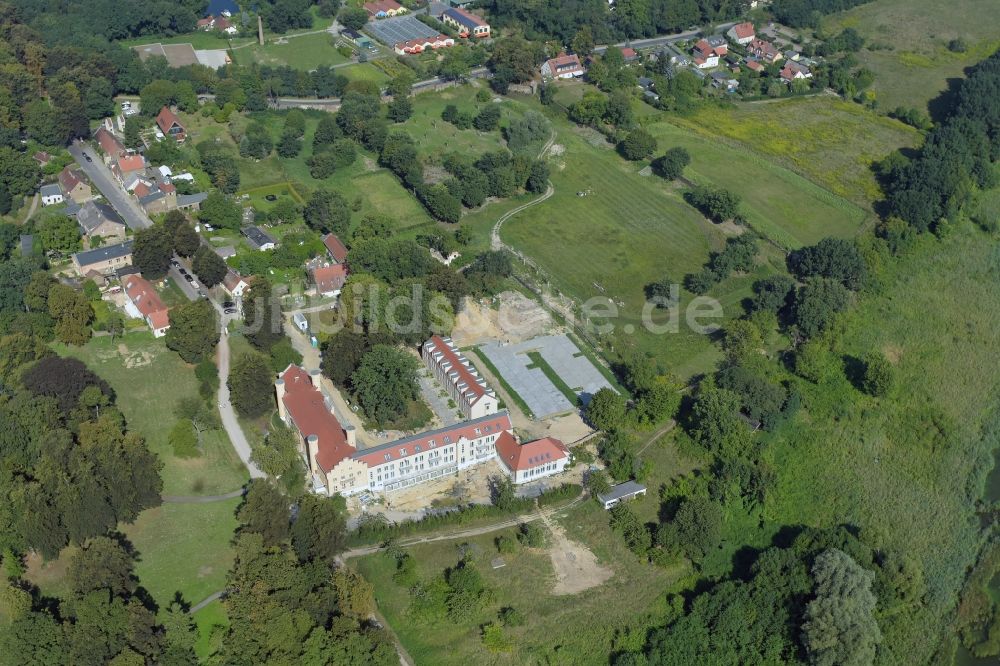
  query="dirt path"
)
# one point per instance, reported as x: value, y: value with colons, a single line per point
x: 462, y: 534
x: 576, y: 567
x: 667, y: 427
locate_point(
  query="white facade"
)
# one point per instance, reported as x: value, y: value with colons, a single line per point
x: 473, y: 396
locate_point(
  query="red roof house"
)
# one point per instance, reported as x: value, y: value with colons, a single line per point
x: 170, y: 124
x: 302, y: 403
x: 742, y: 33
x: 145, y: 303
x: 336, y: 248
x: 531, y: 460
x: 765, y: 51
x: 329, y: 280
x: 109, y: 143
x: 563, y: 67
x: 629, y: 54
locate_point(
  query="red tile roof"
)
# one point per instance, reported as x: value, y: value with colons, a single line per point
x: 518, y: 457
x: 306, y: 406
x: 130, y: 163
x: 336, y: 248
x: 232, y: 280
x: 755, y: 66
x: 563, y: 60
x: 208, y: 20
x: 489, y: 425
x: 458, y: 365
x: 377, y: 6
x: 69, y: 178
x: 147, y: 301
x: 166, y: 119
x: 629, y: 52
x: 42, y: 157
x: 329, y: 278
x: 743, y: 30
x: 109, y: 142
x: 141, y: 190
x: 167, y: 188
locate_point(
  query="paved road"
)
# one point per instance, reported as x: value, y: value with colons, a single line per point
x: 229, y: 421
x: 206, y: 601
x: 662, y: 40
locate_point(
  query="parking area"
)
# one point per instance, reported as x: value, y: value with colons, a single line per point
x: 392, y: 31
x: 543, y: 398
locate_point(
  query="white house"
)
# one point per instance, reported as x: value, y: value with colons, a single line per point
x: 337, y: 464
x: 234, y: 284
x: 470, y: 392
x: 532, y: 460
x: 563, y: 67
x: 51, y: 195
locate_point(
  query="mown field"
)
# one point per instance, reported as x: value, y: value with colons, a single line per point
x: 908, y: 44
x: 149, y: 380
x: 907, y: 470
x: 305, y: 52
x: 831, y: 142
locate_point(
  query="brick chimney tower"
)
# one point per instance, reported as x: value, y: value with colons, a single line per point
x: 260, y: 30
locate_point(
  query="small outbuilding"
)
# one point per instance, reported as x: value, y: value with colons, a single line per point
x: 620, y: 493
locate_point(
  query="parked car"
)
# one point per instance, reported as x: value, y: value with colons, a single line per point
x: 228, y: 304
x: 194, y: 283
x: 230, y: 310
x: 87, y: 157
x: 187, y: 277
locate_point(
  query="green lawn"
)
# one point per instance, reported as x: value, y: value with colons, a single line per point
x: 629, y: 230
x: 574, y: 630
x: 908, y: 40
x: 778, y: 203
x: 831, y: 142
x: 198, y: 39
x: 210, y: 620
x: 184, y: 548
x: 148, y: 380
x: 306, y: 52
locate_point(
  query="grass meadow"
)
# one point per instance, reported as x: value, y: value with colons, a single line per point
x: 305, y: 52
x: 831, y: 142
x: 581, y: 629
x: 907, y: 469
x: 907, y: 44
x: 149, y: 380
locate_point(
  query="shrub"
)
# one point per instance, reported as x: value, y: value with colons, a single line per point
x: 531, y: 535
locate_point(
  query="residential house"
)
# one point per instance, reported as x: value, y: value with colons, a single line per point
x: 339, y: 467
x: 707, y: 51
x: 100, y: 219
x: 755, y: 66
x: 42, y: 157
x: 170, y: 124
x: 234, y: 284
x: 220, y: 23
x: 335, y: 248
x: 74, y: 186
x: 563, y: 67
x: 142, y: 302
x: 742, y: 33
x: 109, y: 143
x: 225, y: 251
x: 620, y: 493
x: 103, y: 260
x: 764, y: 51
x: 532, y: 460
x: 329, y: 280
x: 794, y: 71
x: 191, y: 201
x: 467, y: 23
x: 724, y: 81
x: 125, y: 165
x: 258, y: 238
x: 51, y: 194
x: 629, y: 54
x: 380, y: 9
x: 452, y: 370
x: 160, y: 199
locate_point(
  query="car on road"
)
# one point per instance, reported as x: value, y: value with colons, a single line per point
x: 187, y: 277
x: 174, y: 262
x: 228, y: 304
x: 182, y: 271
x: 230, y: 310
x: 194, y: 283
x: 87, y: 157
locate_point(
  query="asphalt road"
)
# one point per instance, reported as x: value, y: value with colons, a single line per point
x: 137, y: 219
x: 661, y: 40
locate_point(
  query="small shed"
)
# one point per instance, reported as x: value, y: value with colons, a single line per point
x: 300, y: 322
x: 620, y: 493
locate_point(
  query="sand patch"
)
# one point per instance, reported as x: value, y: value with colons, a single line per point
x: 576, y: 567
x: 510, y: 317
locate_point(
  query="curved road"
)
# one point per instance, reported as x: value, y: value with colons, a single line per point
x: 229, y: 421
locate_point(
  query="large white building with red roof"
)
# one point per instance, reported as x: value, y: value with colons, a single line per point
x: 336, y: 463
x: 470, y: 392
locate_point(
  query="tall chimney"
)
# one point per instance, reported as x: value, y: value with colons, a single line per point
x: 312, y: 446
x: 279, y: 392
x: 260, y: 30
x: 352, y: 436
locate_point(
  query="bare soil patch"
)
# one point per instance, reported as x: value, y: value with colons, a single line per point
x: 576, y: 567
